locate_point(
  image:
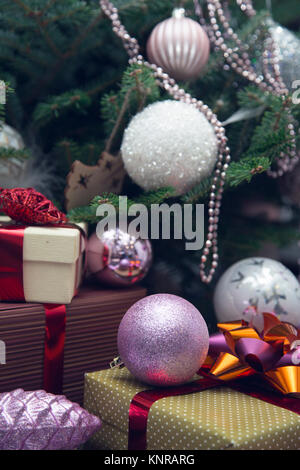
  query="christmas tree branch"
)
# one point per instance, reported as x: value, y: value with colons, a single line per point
x: 118, y: 121
x: 67, y: 146
x: 69, y: 151
x: 62, y: 58
x: 88, y: 213
x: 44, y: 33
x: 10, y: 153
x: 138, y: 88
x: 57, y: 105
x: 74, y: 47
x: 24, y: 7
x: 48, y: 6
x: 11, y: 40
x: 39, y: 89
x: 103, y: 86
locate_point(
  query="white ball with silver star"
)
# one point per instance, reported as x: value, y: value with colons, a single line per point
x: 170, y: 143
x: 262, y: 283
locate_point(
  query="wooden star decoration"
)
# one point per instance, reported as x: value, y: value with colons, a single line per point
x: 84, y: 182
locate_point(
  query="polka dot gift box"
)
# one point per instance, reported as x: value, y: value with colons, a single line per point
x: 215, y: 418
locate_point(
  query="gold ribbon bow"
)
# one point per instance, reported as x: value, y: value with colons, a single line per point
x: 264, y: 345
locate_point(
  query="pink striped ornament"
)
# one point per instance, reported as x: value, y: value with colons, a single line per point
x: 180, y: 46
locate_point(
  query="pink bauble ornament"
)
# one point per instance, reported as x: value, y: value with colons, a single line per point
x: 180, y: 46
x: 116, y: 258
x: 163, y: 340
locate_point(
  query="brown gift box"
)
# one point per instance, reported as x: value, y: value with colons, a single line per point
x: 92, y: 324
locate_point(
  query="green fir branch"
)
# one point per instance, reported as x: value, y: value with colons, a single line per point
x: 68, y: 151
x: 198, y: 192
x: 56, y: 106
x: 9, y: 153
x: 245, y: 169
x: 88, y: 213
x: 137, y: 89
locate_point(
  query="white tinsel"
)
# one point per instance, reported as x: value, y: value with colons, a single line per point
x: 27, y: 174
x: 22, y: 173
x: 243, y: 114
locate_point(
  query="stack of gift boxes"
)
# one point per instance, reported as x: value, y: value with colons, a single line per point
x: 86, y: 317
x: 62, y: 337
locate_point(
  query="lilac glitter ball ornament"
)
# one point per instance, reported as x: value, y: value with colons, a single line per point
x: 163, y: 340
x: 117, y: 258
x: 180, y: 46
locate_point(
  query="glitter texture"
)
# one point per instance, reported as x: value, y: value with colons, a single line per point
x: 171, y: 87
x: 42, y: 421
x: 169, y: 143
x: 163, y: 340
x: 29, y: 207
x: 288, y: 53
x: 262, y: 283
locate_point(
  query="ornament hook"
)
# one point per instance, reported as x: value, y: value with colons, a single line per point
x: 178, y: 13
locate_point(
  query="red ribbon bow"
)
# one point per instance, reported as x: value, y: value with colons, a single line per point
x: 29, y: 207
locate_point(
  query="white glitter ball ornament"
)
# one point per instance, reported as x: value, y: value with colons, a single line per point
x: 169, y: 143
x: 288, y: 49
x: 262, y: 283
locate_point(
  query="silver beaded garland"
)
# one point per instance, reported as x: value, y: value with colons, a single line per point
x: 288, y: 48
x: 270, y: 80
x: 223, y: 158
x: 273, y: 78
